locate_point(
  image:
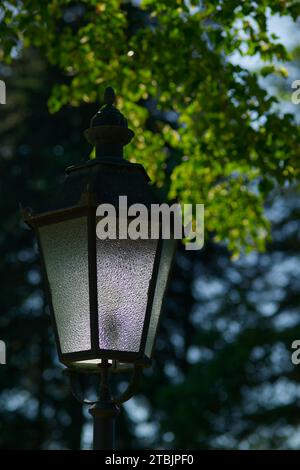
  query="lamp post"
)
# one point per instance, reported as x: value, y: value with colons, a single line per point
x: 105, y: 296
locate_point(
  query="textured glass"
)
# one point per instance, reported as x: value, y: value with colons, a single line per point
x: 161, y: 284
x: 65, y: 250
x: 124, y: 270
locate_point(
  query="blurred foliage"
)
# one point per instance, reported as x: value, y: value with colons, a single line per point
x: 35, y: 406
x: 206, y: 132
x: 169, y: 61
x: 224, y: 376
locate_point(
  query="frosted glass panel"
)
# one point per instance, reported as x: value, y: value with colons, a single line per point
x: 124, y: 270
x: 65, y: 251
x: 162, y: 278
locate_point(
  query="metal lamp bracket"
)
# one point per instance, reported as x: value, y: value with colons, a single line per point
x: 104, y: 389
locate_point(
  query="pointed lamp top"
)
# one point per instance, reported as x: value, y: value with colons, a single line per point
x: 108, y: 130
x: 109, y: 96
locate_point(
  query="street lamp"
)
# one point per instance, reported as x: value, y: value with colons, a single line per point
x: 105, y: 296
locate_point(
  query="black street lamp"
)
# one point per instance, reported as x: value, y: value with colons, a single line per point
x: 105, y: 296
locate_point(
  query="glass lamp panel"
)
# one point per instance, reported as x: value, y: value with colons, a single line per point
x: 167, y: 252
x: 65, y: 250
x: 124, y: 271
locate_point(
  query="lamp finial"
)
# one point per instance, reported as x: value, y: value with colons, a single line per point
x: 109, y: 95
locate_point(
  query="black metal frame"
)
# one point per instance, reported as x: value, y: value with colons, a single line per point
x: 74, y: 376
x: 88, y: 208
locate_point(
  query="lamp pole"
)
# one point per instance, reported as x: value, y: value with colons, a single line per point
x: 105, y: 302
x: 104, y: 413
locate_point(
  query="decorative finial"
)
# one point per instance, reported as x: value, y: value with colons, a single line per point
x: 109, y: 95
x: 108, y: 130
x: 109, y: 115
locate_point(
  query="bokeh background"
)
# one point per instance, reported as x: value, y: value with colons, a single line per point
x: 222, y: 377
